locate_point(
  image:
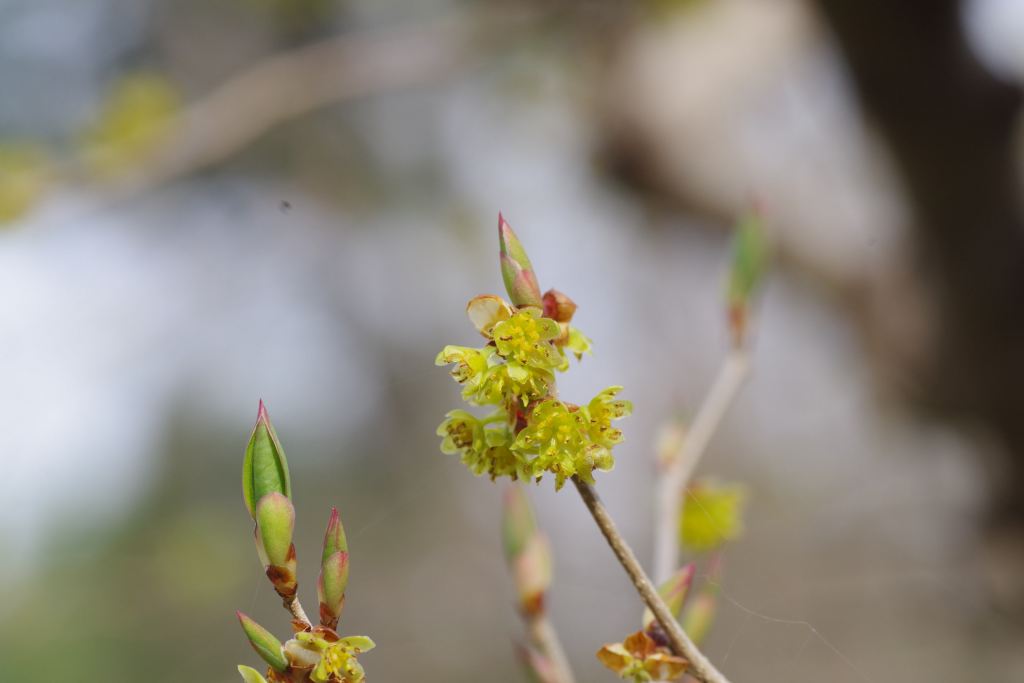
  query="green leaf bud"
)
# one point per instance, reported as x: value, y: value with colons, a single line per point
x: 265, y: 469
x: 516, y: 270
x: 263, y: 641
x: 275, y: 524
x: 330, y: 587
x: 334, y: 538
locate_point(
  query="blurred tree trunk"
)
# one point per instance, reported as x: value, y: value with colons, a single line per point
x: 951, y: 127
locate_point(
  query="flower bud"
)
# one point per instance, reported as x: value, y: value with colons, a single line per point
x: 330, y: 587
x: 265, y: 469
x: 251, y: 675
x: 558, y: 306
x: 673, y: 592
x: 275, y: 524
x: 263, y: 641
x: 334, y: 538
x: 516, y: 270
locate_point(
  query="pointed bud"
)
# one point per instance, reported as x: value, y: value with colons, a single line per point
x: 532, y: 574
x: 674, y: 592
x: 749, y: 260
x: 518, y: 524
x: 265, y: 469
x: 251, y: 675
x: 330, y: 588
x: 263, y: 641
x: 516, y: 270
x: 558, y: 306
x: 486, y: 311
x: 275, y: 524
x: 334, y: 539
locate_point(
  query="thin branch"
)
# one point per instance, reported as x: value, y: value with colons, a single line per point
x: 299, y: 614
x: 672, y: 483
x: 700, y: 667
x: 545, y: 638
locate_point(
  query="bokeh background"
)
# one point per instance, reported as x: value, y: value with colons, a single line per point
x: 207, y: 202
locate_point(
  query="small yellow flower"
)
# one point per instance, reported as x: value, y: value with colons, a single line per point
x: 327, y: 658
x: 526, y: 339
x: 601, y: 410
x: 513, y: 384
x: 461, y: 431
x: 471, y: 365
x: 338, y: 662
x: 559, y: 438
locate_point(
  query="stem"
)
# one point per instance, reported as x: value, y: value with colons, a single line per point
x: 295, y: 607
x: 700, y: 667
x: 544, y: 636
x: 672, y: 484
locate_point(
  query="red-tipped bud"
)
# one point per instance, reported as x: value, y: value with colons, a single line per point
x: 558, y: 306
x: 334, y: 538
x: 265, y: 469
x: 516, y: 270
x: 263, y: 641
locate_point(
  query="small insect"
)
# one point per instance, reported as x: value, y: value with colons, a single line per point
x: 285, y: 206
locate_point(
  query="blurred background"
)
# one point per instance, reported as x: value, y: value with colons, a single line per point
x: 209, y: 202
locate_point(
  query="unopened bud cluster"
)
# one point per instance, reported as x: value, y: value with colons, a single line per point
x: 314, y: 654
x: 531, y: 431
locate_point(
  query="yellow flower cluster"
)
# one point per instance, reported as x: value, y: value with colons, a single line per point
x: 530, y: 432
